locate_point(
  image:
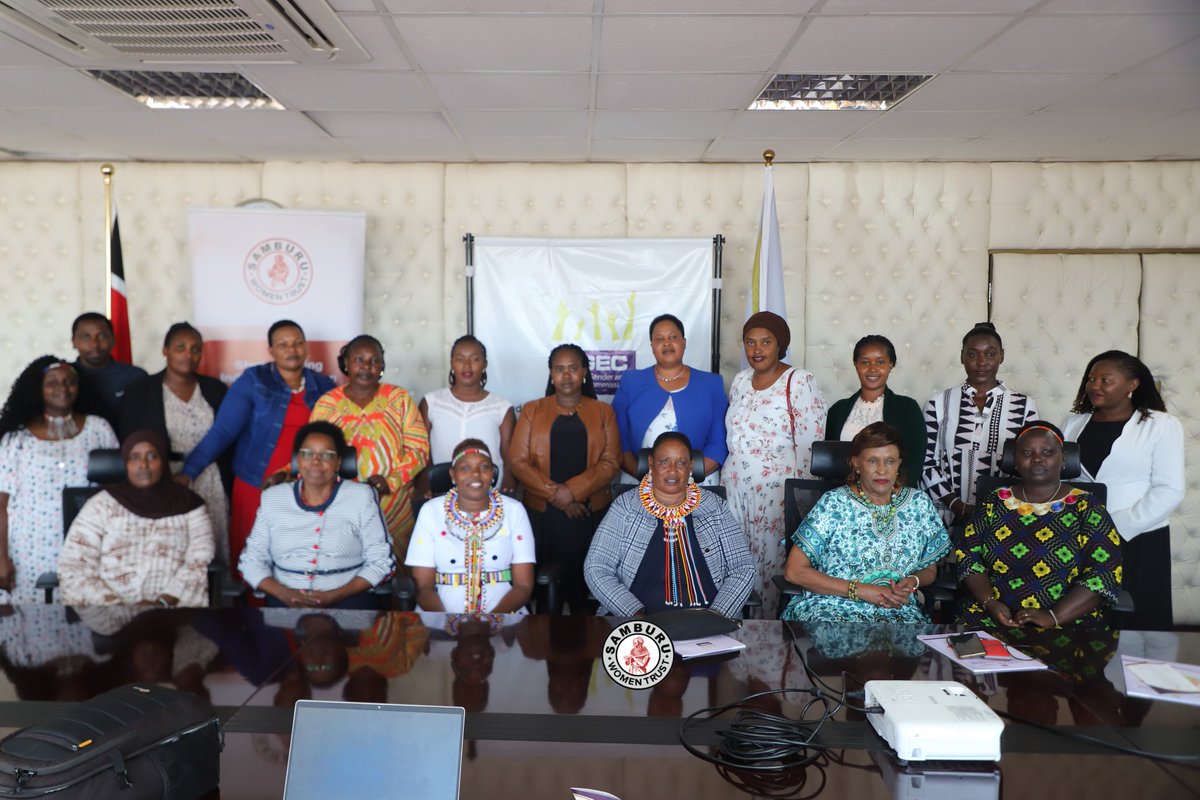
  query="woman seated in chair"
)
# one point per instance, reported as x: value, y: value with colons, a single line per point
x: 669, y: 545
x: 472, y: 550
x: 866, y: 547
x: 141, y: 541
x: 1039, y: 553
x: 320, y: 541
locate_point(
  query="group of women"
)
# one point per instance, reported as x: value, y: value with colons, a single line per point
x: 911, y: 471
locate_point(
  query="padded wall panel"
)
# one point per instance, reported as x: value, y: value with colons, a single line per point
x: 40, y: 252
x: 897, y: 249
x: 1115, y: 205
x: 152, y: 202
x: 1169, y: 326
x: 539, y: 200
x: 403, y: 305
x: 1057, y: 311
x: 695, y: 200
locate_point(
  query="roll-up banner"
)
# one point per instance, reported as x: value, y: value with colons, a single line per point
x: 533, y: 294
x: 251, y: 267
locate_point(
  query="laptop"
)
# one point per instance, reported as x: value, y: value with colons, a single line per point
x: 378, y: 750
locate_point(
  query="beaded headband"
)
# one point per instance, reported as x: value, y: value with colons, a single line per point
x: 480, y: 450
x: 1050, y: 431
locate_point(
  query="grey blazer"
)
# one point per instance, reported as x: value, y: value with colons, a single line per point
x: 625, y: 532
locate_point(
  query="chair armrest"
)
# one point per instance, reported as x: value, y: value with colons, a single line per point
x: 786, y: 587
x: 1124, y: 602
x: 47, y: 582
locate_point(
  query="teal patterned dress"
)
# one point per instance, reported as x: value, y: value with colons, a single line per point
x: 850, y: 538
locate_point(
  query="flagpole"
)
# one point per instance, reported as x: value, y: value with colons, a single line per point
x: 107, y: 171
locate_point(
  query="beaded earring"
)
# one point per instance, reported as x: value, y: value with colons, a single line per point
x: 483, y: 379
x: 452, y: 378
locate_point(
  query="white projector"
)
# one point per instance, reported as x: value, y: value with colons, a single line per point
x: 934, y: 720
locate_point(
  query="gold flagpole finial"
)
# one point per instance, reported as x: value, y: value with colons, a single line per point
x: 107, y: 171
x: 768, y: 157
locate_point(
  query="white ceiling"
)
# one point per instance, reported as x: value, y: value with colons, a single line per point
x: 662, y: 80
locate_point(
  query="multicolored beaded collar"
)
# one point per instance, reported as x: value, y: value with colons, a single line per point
x: 475, y: 525
x: 1037, y: 509
x: 682, y: 585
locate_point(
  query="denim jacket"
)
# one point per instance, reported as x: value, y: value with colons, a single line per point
x: 252, y: 415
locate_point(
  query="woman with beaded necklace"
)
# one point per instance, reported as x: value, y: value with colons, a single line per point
x: 472, y: 550
x: 866, y: 547
x: 1039, y: 553
x: 44, y: 446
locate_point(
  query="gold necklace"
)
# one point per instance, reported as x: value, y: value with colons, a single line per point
x: 665, y: 379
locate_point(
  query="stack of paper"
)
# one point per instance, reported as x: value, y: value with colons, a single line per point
x: 1161, y: 680
x: 982, y: 665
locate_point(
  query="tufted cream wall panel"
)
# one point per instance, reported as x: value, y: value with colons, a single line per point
x: 1092, y: 206
x: 540, y: 200
x: 40, y: 251
x: 152, y: 202
x: 897, y: 249
x: 1057, y: 311
x: 1170, y: 321
x: 403, y: 306
x: 697, y: 200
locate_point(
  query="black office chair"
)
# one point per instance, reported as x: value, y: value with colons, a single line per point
x: 830, y: 463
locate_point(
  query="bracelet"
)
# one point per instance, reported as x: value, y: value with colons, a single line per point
x: 916, y: 578
x: 1053, y: 616
x: 852, y: 590
x: 162, y: 601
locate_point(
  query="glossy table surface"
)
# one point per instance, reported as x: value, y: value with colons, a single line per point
x: 544, y: 716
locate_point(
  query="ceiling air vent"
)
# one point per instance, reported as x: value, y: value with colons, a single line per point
x: 101, y: 33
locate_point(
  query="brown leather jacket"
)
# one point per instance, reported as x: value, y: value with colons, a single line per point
x: 529, y: 453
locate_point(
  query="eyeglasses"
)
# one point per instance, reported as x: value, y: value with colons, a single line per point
x: 682, y: 463
x: 328, y: 456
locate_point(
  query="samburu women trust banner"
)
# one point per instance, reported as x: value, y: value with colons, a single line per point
x: 251, y: 267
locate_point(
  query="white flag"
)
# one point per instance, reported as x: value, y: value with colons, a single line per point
x: 766, y: 280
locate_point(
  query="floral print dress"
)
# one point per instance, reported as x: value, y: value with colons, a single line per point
x: 768, y: 445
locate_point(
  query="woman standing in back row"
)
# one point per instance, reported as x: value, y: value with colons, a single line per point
x: 1129, y: 442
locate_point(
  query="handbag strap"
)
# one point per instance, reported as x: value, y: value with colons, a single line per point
x: 792, y: 413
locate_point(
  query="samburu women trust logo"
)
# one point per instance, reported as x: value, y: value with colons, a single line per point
x: 278, y: 271
x: 638, y: 654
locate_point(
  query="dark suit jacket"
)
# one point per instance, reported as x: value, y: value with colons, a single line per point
x: 903, y: 414
x: 142, y: 409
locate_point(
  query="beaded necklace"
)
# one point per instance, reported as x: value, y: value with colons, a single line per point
x: 681, y: 578
x: 474, y: 525
x: 883, y: 523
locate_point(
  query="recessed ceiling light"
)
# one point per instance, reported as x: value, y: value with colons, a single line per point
x: 836, y: 92
x: 189, y: 89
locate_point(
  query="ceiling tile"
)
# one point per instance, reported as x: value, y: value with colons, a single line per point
x: 374, y: 33
x: 389, y: 149
x: 693, y: 43
x: 1117, y: 7
x: 750, y: 150
x: 660, y: 124
x: 696, y: 92
x: 512, y: 91
x: 1172, y: 92
x: 502, y: 124
x: 1081, y: 126
x: 484, y: 6
x: 48, y: 88
x: 461, y: 43
x: 897, y: 124
x: 888, y: 44
x: 1102, y: 43
x: 308, y: 89
x: 14, y: 53
x: 1120, y: 149
x: 1185, y: 58
x: 892, y: 150
x: 47, y: 143
x: 287, y: 150
x: 352, y: 5
x: 641, y: 150
x: 109, y: 122
x: 722, y: 7
x: 1008, y: 92
x: 801, y: 124
x: 1179, y: 126
x: 166, y: 149
x: 528, y: 149
x: 880, y: 7
x: 218, y: 124
x: 373, y: 125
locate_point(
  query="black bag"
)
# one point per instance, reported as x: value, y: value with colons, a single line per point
x: 133, y: 743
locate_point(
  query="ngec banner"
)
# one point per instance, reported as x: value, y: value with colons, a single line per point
x: 252, y: 266
x: 601, y: 294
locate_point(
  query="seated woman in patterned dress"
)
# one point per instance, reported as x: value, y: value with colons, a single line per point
x: 1040, y: 553
x: 144, y: 540
x: 865, y: 548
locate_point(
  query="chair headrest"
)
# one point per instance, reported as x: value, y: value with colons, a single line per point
x: 831, y: 460
x: 1071, y: 465
x: 348, y: 469
x: 439, y: 478
x: 105, y: 466
x: 643, y: 464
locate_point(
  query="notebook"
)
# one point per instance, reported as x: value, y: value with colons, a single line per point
x: 377, y: 750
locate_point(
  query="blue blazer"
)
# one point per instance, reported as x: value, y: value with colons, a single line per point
x: 699, y: 410
x: 252, y: 416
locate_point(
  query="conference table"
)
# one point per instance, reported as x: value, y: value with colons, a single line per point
x: 543, y: 716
